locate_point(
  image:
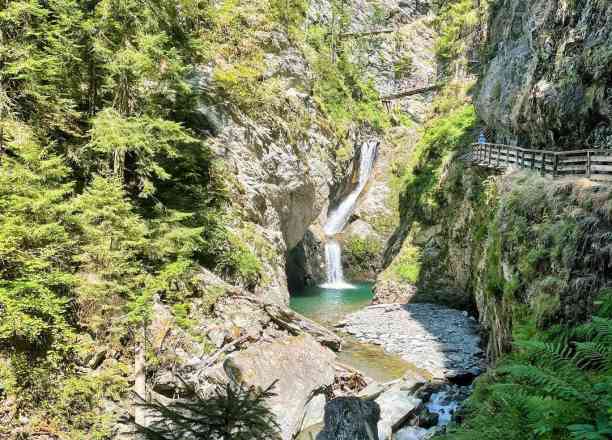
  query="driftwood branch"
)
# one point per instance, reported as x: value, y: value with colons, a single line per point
x: 211, y: 360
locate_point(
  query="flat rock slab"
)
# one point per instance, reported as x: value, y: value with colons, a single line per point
x: 396, y: 405
x: 434, y: 338
x: 300, y: 365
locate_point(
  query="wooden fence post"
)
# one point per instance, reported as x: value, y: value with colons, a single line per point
x: 516, y: 161
x: 542, y: 165
x: 532, y: 160
x: 555, y: 165
x: 588, y: 165
x: 498, y: 154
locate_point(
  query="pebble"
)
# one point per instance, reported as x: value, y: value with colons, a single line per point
x: 443, y: 341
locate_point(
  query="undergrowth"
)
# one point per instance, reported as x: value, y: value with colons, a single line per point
x: 555, y: 384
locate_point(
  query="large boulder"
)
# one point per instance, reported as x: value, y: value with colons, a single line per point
x: 299, y: 365
x: 350, y: 418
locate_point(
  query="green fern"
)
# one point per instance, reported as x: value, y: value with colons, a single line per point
x: 547, y: 352
x: 549, y: 382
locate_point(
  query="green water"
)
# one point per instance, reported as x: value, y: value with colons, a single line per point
x: 328, y: 307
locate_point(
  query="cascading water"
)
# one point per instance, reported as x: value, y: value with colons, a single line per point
x: 333, y: 261
x: 338, y: 218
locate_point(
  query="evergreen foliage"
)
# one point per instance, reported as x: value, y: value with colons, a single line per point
x: 234, y: 412
x: 109, y: 192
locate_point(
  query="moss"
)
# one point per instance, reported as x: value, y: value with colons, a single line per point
x: 406, y: 266
x: 362, y: 256
x: 442, y: 137
x: 403, y: 67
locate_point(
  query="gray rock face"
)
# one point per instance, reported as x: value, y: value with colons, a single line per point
x: 306, y: 262
x: 548, y: 82
x: 392, y: 292
x: 442, y: 341
x: 314, y: 412
x: 301, y: 367
x: 350, y: 418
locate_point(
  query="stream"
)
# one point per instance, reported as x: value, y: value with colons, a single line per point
x: 336, y: 299
x: 328, y: 307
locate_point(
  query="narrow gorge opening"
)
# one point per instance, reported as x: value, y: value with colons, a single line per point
x: 332, y: 297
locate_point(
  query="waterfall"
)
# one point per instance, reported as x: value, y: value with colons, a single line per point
x: 333, y: 262
x: 338, y: 218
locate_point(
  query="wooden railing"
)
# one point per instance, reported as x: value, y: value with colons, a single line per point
x: 594, y: 164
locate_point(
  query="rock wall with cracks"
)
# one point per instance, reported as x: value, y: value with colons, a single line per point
x: 548, y: 75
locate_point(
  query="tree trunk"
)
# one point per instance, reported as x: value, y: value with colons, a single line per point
x: 140, y: 384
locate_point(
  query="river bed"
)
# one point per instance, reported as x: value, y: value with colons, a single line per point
x: 330, y: 306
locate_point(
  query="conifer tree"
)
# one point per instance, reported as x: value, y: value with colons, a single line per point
x: 36, y: 243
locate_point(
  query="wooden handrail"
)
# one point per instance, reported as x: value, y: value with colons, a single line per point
x: 411, y: 92
x: 562, y: 153
x: 589, y: 162
x: 366, y: 33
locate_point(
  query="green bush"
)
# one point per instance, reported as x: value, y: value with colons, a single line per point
x: 555, y: 385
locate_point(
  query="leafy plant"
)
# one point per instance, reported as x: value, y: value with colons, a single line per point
x: 558, y: 385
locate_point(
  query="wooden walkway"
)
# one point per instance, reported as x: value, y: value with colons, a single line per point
x: 410, y: 92
x: 593, y: 164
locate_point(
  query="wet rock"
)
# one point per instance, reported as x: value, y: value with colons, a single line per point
x: 299, y: 365
x: 437, y: 339
x: 350, y: 418
x: 397, y: 406
x: 413, y: 433
x: 426, y: 419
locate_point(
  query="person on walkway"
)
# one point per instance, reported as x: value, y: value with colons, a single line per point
x: 482, y: 139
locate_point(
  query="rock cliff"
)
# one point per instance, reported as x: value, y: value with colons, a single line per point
x: 547, y: 78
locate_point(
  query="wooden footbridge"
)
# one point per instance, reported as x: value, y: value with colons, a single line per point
x: 595, y: 164
x: 411, y: 92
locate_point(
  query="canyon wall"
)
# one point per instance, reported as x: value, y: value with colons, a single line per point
x: 546, y: 79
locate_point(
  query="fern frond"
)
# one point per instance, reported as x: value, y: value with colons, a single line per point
x: 593, y: 355
x: 550, y: 384
x: 602, y: 328
x: 547, y: 353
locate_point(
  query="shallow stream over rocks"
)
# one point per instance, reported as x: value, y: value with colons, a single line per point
x: 400, y: 347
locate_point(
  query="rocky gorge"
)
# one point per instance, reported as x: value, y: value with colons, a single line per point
x: 269, y: 207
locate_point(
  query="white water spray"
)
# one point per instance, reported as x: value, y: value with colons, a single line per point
x: 333, y: 263
x: 338, y: 218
